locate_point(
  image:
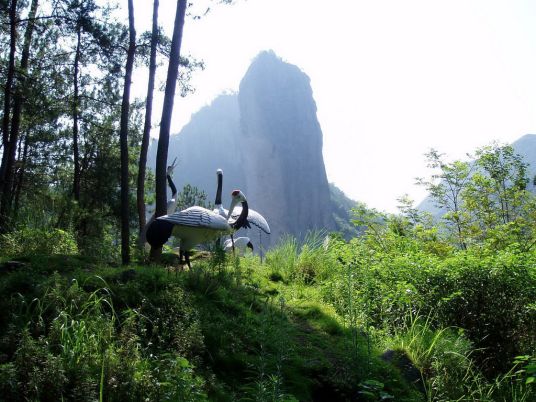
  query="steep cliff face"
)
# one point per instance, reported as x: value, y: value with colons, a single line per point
x: 282, y: 143
x: 209, y: 142
x: 268, y: 142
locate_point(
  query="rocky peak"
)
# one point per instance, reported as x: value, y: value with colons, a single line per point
x: 283, y: 162
x: 268, y: 142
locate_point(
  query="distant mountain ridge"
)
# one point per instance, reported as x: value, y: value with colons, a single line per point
x: 268, y: 142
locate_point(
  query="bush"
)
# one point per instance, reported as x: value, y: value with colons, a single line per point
x: 37, y: 373
x: 442, y: 356
x: 488, y: 293
x: 29, y: 241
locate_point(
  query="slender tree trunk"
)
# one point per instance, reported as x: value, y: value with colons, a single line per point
x: 20, y: 180
x: 10, y: 71
x: 123, y: 138
x: 18, y: 100
x: 167, y: 111
x: 147, y: 126
x: 7, y: 104
x: 76, y: 99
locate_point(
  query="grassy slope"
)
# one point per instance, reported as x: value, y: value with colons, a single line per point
x: 247, y: 336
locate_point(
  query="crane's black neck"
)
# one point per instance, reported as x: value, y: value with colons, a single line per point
x: 218, y: 191
x: 172, y: 186
x: 242, y: 221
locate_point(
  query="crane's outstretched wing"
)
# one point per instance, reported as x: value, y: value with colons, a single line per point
x: 254, y: 218
x: 197, y: 217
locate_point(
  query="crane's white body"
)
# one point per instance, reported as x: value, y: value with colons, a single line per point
x: 240, y: 244
x: 196, y: 225
x: 254, y: 218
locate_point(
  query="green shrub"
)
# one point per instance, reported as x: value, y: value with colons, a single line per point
x: 38, y: 373
x: 29, y: 241
x: 441, y: 355
x: 488, y: 294
x: 101, y: 243
x: 172, y: 323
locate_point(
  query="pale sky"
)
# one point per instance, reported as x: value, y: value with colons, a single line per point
x: 391, y: 78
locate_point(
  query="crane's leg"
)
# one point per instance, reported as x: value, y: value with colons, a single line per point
x: 181, y: 263
x: 232, y: 242
x: 187, y: 255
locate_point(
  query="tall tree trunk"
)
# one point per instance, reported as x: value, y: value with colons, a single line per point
x: 76, y: 100
x: 18, y: 100
x: 10, y: 71
x: 147, y: 126
x: 167, y: 111
x: 123, y: 138
x: 20, y: 179
x: 7, y: 103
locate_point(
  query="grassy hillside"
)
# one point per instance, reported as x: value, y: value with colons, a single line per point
x: 310, y: 323
x: 412, y: 309
x: 223, y: 331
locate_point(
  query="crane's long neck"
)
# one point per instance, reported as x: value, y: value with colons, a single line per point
x: 172, y: 203
x: 242, y: 221
x: 172, y: 187
x: 218, y: 191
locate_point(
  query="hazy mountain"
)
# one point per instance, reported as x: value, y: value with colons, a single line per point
x: 268, y: 142
x: 282, y: 142
x: 207, y: 143
x: 524, y: 146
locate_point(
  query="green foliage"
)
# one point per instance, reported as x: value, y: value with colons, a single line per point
x: 446, y: 189
x: 37, y: 373
x: 442, y: 356
x: 281, y: 260
x: 27, y: 241
x: 485, y: 201
x: 373, y: 390
x: 308, y: 324
x: 307, y: 263
x: 190, y: 196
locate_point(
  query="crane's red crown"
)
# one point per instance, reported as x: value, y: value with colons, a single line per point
x: 235, y: 193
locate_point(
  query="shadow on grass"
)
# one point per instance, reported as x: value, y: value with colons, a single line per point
x: 256, y: 342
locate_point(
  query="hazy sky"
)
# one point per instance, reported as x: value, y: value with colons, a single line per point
x: 391, y: 78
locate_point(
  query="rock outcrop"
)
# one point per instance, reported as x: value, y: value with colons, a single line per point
x: 282, y: 142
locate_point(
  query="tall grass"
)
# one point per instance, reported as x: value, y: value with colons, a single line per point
x: 305, y: 263
x: 281, y: 259
x: 443, y: 356
x: 75, y: 346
